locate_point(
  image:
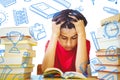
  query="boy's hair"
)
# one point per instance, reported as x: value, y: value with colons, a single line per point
x: 63, y: 16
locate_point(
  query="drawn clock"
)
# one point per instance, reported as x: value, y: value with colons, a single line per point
x: 111, y: 29
x: 111, y: 50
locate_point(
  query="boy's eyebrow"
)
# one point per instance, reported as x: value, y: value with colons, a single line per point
x: 62, y: 35
x: 66, y: 36
x: 74, y: 35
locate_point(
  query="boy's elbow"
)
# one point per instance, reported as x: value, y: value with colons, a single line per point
x: 43, y: 68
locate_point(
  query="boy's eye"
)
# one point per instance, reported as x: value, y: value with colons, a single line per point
x: 74, y: 37
x: 64, y: 38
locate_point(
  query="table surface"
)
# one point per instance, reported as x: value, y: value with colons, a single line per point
x: 89, y: 78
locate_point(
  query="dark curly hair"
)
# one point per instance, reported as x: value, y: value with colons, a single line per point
x: 64, y: 16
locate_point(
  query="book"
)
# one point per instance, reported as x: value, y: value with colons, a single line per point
x: 108, y: 34
x: 25, y: 76
x: 15, y: 38
x: 21, y: 30
x: 108, y: 52
x: 109, y: 67
x: 109, y: 59
x: 57, y: 73
x: 101, y: 31
x: 23, y: 53
x: 16, y: 69
x: 24, y: 61
x: 21, y: 45
x: 109, y: 27
x: 32, y: 43
x: 106, y: 75
x: 110, y: 19
x: 105, y: 43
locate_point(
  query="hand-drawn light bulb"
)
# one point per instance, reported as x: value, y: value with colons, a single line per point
x: 2, y: 17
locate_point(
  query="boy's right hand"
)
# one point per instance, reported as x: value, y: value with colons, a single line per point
x: 56, y: 28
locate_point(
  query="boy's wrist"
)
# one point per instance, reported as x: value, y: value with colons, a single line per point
x: 54, y: 36
x: 81, y: 35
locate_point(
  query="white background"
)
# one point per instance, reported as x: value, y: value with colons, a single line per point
x: 93, y: 13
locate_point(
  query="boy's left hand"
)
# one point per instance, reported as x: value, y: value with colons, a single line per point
x: 79, y: 25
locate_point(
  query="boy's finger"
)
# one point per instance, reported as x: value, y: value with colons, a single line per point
x: 72, y: 17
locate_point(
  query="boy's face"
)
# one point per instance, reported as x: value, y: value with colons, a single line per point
x: 68, y: 38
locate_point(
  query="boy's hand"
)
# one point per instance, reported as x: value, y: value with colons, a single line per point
x: 56, y: 28
x: 79, y: 25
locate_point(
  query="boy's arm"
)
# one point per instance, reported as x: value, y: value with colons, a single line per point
x: 49, y: 56
x: 81, y: 56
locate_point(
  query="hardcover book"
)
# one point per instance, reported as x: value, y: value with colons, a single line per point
x: 109, y: 67
x: 104, y: 43
x: 23, y: 53
x: 16, y: 69
x: 106, y: 75
x: 110, y: 19
x: 17, y: 60
x: 109, y: 59
x: 21, y: 30
x: 108, y: 52
x: 25, y: 76
x: 21, y: 45
x: 15, y: 38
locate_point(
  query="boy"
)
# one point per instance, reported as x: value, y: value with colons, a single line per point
x: 68, y: 48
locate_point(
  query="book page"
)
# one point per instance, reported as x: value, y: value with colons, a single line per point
x: 73, y: 75
x: 52, y: 72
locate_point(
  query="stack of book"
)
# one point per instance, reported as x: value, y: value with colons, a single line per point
x: 17, y: 59
x: 108, y: 37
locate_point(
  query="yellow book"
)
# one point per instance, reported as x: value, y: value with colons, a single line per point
x: 15, y: 48
x: 108, y: 52
x: 57, y: 73
x: 108, y: 75
x: 17, y: 60
x: 15, y: 38
x: 20, y: 76
x: 32, y: 43
x: 109, y: 59
x: 15, y: 69
x: 22, y: 53
x: 111, y: 19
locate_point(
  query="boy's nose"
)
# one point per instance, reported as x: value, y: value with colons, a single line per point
x: 68, y: 43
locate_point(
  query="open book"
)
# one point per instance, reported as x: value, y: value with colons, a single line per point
x: 57, y: 73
